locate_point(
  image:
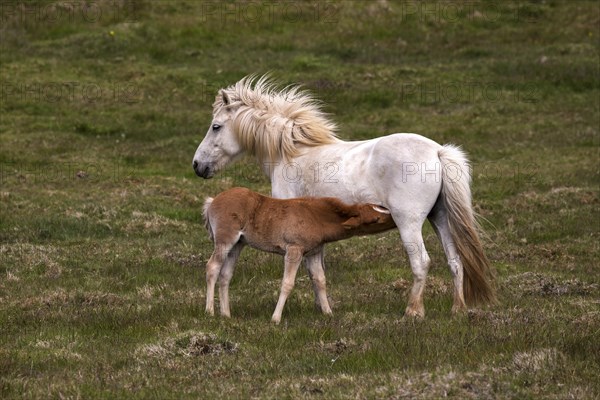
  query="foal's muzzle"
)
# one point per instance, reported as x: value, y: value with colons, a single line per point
x: 203, y: 170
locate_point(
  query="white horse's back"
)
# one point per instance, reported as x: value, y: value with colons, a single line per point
x: 384, y: 170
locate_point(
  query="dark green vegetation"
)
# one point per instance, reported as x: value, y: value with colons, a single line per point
x: 102, y: 249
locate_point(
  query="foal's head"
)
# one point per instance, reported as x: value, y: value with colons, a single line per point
x: 370, y: 218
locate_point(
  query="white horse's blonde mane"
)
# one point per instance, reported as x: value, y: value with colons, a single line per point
x: 274, y: 123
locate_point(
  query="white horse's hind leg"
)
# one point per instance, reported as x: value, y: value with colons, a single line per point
x: 439, y: 221
x: 316, y: 271
x: 412, y: 239
x: 225, y: 278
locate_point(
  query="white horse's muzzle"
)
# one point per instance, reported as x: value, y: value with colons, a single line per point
x: 203, y: 170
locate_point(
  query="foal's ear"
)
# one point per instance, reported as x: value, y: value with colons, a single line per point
x: 382, y: 210
x: 352, y: 222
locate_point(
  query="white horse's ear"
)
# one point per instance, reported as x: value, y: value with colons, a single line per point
x: 381, y: 210
x: 225, y: 97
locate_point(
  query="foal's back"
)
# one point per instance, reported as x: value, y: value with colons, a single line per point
x: 305, y: 222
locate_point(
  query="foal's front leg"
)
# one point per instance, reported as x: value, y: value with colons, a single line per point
x: 293, y: 257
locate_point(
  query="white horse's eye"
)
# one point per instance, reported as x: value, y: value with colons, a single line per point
x: 216, y: 127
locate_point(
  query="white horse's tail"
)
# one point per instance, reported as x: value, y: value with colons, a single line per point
x: 456, y: 192
x: 207, y: 225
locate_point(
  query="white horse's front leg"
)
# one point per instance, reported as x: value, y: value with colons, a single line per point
x: 225, y: 277
x: 316, y: 271
x: 293, y: 257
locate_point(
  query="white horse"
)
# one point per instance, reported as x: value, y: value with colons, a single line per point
x: 412, y: 176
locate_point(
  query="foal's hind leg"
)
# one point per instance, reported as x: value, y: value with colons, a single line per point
x: 439, y: 221
x: 225, y: 278
x: 213, y: 270
x: 293, y: 257
x: 316, y: 271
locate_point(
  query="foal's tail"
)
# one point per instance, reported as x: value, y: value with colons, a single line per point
x: 207, y: 225
x: 456, y: 192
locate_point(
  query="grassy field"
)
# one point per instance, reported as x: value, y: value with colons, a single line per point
x: 102, y: 246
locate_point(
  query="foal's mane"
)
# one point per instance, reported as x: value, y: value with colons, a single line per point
x: 274, y: 123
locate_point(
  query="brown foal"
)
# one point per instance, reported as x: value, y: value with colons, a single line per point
x: 291, y: 227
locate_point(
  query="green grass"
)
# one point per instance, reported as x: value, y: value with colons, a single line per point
x: 102, y: 246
